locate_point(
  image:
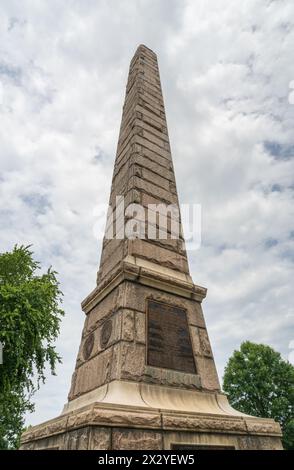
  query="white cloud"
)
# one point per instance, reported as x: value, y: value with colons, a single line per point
x: 225, y: 68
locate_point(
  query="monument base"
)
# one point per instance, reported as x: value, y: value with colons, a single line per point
x: 130, y: 415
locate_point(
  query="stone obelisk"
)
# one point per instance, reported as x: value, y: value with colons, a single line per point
x: 145, y: 376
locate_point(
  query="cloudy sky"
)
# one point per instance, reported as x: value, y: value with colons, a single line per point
x: 226, y: 70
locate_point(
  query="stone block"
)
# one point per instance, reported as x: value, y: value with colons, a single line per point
x: 120, y: 180
x: 195, y: 314
x: 152, y: 147
x: 93, y: 373
x: 152, y: 107
x: 190, y: 440
x: 149, y: 225
x: 116, y: 362
x: 77, y: 439
x: 158, y: 123
x: 259, y: 443
x: 207, y: 371
x: 136, y: 439
x: 165, y: 196
x: 140, y: 327
x: 132, y: 361
x: 113, y: 260
x: 152, y: 88
x: 154, y: 178
x: 128, y: 325
x: 149, y: 163
x: 194, y: 331
x: 135, y: 296
x: 111, y: 248
x: 100, y: 438
x: 149, y: 98
x: 205, y: 343
x: 155, y: 131
x: 153, y: 99
x: 202, y: 423
x: 56, y: 442
x: 147, y: 199
x: 200, y: 341
x: 104, y: 308
x: 151, y: 114
x: 123, y: 152
x: 171, y: 378
x: 150, y: 137
x: 157, y: 254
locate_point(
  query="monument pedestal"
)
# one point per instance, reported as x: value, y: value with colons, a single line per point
x: 126, y: 415
x: 118, y: 401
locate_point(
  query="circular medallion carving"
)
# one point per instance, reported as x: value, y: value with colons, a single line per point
x: 105, y: 333
x: 88, y: 346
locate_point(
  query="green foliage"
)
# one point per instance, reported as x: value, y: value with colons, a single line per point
x: 29, y: 324
x: 259, y: 382
x: 288, y: 435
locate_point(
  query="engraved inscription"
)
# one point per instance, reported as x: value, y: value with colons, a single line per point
x: 169, y: 344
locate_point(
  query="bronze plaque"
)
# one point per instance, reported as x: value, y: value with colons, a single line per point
x: 169, y: 343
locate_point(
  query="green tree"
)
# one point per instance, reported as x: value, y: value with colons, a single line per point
x: 29, y: 325
x: 259, y: 382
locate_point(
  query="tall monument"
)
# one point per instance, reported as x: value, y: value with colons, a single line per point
x: 145, y: 376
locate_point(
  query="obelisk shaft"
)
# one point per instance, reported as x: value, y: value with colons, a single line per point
x: 143, y: 173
